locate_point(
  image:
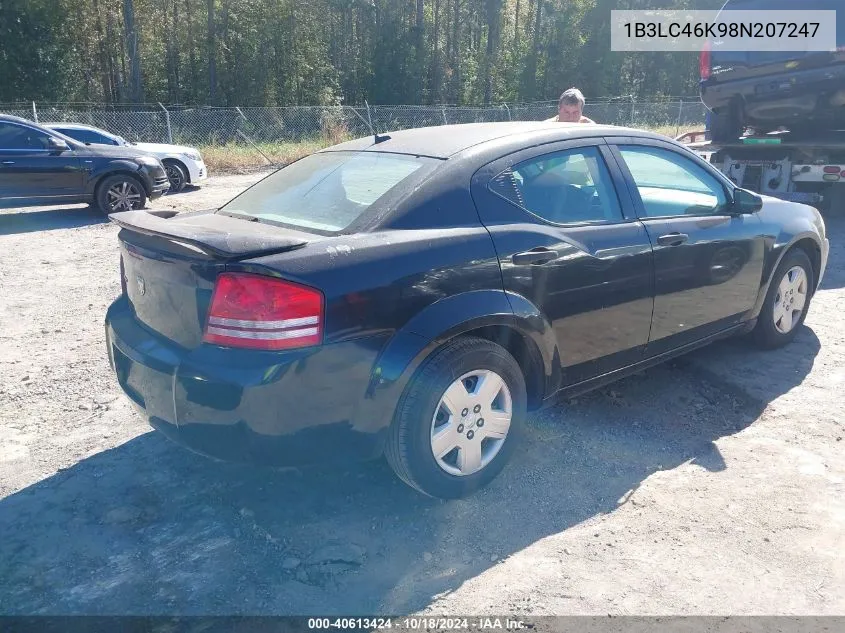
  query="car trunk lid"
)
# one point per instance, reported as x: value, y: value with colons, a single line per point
x: 170, y: 264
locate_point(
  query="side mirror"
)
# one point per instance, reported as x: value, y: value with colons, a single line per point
x: 57, y: 144
x: 746, y: 202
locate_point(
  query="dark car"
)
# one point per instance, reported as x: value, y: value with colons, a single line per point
x: 184, y: 165
x: 416, y: 295
x: 41, y: 167
x: 802, y: 91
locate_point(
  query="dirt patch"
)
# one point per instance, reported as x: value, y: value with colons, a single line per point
x: 711, y: 485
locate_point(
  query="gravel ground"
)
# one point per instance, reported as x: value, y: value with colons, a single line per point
x: 711, y: 485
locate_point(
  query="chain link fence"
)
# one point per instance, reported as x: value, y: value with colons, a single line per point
x: 211, y: 126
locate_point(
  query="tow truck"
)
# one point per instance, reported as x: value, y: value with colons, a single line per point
x: 781, y: 164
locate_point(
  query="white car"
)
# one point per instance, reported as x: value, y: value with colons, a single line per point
x: 184, y: 165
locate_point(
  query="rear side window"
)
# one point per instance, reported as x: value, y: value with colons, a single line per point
x: 328, y: 191
x: 568, y: 187
x: 21, y: 137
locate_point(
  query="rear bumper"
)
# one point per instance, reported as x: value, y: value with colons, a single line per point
x: 280, y: 408
x: 768, y: 99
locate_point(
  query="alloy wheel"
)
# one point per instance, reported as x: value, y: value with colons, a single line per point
x: 790, y: 300
x: 124, y: 196
x: 174, y: 175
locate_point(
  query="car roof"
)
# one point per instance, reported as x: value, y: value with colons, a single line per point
x: 16, y: 119
x: 445, y: 141
x: 77, y: 126
x: 71, y: 126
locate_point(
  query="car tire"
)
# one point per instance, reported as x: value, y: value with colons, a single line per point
x: 725, y: 126
x: 463, y: 374
x: 176, y: 174
x: 122, y: 189
x: 792, y: 285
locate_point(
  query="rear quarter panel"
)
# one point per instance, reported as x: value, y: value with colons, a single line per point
x: 374, y: 283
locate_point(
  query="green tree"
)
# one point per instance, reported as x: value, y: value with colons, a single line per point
x: 284, y: 52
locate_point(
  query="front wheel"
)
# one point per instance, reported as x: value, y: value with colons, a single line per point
x: 787, y: 301
x: 176, y: 175
x: 120, y: 192
x: 459, y: 419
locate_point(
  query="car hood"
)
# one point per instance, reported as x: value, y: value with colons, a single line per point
x: 163, y: 148
x: 783, y: 212
x: 112, y: 151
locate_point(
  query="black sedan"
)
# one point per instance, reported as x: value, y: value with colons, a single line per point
x: 414, y: 295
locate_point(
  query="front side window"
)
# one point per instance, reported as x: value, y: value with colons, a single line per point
x: 568, y: 187
x: 672, y: 185
x: 21, y: 137
x: 328, y: 191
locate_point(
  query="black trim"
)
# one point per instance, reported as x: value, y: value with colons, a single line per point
x: 617, y: 177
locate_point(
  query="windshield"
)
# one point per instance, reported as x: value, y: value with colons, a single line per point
x: 327, y: 191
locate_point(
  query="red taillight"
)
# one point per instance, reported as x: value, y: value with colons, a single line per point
x: 832, y: 169
x: 263, y: 313
x: 704, y: 61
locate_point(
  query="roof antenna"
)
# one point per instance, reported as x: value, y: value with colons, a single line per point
x: 378, y: 139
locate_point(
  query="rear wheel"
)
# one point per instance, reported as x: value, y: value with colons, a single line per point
x: 787, y: 301
x: 176, y: 175
x: 120, y: 192
x: 459, y: 420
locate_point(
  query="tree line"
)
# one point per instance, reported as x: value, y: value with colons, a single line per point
x: 326, y: 52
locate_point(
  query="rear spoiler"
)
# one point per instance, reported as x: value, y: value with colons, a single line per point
x: 216, y: 235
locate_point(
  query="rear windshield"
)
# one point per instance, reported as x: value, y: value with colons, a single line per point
x: 328, y: 191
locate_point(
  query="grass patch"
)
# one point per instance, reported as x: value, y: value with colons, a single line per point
x: 243, y: 158
x: 239, y: 158
x: 674, y: 131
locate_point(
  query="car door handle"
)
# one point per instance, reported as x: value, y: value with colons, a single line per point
x: 673, y: 239
x: 8, y: 162
x: 539, y: 255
